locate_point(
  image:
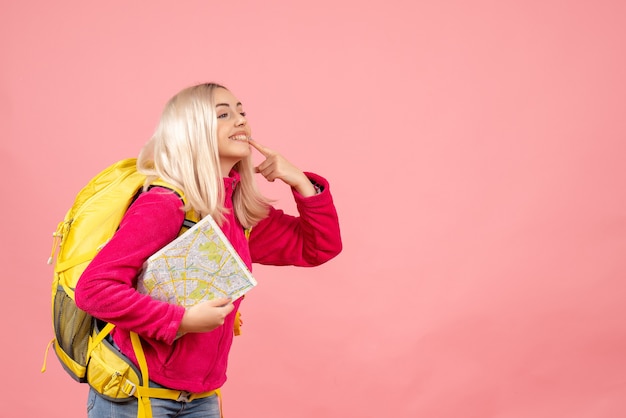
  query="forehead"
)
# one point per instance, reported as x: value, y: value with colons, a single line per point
x: 223, y: 96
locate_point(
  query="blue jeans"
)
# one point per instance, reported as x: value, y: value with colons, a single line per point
x: 98, y: 407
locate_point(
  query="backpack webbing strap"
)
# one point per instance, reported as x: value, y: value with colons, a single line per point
x: 74, y: 261
x: 237, y: 324
x: 188, y: 223
x: 106, y: 330
x: 144, y: 392
x: 45, y: 356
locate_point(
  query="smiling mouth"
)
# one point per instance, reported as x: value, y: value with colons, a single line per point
x: 239, y: 137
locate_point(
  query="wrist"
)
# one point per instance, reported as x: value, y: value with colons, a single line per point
x: 306, y: 189
x: 183, y: 327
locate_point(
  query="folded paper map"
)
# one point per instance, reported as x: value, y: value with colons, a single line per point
x: 201, y: 264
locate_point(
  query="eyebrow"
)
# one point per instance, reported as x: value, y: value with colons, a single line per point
x: 227, y: 105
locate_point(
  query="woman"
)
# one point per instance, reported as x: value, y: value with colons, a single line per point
x: 202, y: 146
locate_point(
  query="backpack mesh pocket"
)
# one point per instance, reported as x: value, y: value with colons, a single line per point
x: 72, y: 327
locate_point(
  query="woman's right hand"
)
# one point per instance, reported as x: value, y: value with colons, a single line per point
x: 205, y: 316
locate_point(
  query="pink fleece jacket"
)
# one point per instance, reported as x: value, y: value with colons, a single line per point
x: 195, y: 362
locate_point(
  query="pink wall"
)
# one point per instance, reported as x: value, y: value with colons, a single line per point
x: 476, y: 152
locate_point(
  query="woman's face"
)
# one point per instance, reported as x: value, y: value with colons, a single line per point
x: 233, y: 131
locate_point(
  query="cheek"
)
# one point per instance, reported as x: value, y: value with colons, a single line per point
x: 222, y: 135
x: 221, y: 131
x: 222, y: 146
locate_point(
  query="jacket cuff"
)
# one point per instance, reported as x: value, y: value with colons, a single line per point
x: 321, y: 185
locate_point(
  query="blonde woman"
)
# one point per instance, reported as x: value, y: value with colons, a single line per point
x: 203, y: 146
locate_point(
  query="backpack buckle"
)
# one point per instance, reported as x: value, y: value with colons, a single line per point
x: 184, y: 396
x: 130, y: 388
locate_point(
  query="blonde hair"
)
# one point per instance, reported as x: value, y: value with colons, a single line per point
x: 183, y: 152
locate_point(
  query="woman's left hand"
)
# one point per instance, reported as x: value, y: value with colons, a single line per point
x: 276, y: 166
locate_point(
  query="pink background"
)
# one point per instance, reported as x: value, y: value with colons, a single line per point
x: 476, y: 153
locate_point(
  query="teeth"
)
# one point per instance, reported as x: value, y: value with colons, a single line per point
x: 239, y: 137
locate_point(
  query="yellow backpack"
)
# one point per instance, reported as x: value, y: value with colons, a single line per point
x: 79, y: 339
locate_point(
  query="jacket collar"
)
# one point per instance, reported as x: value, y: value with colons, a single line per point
x: 230, y: 182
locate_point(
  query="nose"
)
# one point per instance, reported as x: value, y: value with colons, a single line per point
x: 241, y: 120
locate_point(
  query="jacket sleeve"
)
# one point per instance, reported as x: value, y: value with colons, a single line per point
x: 107, y: 287
x: 307, y: 240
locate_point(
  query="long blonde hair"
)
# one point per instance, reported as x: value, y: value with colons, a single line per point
x: 183, y: 152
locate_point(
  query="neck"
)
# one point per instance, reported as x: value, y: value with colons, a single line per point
x: 226, y: 167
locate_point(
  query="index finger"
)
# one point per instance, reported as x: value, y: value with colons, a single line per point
x: 262, y: 149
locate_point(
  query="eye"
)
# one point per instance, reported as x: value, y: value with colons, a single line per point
x: 222, y: 115
x: 243, y: 114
